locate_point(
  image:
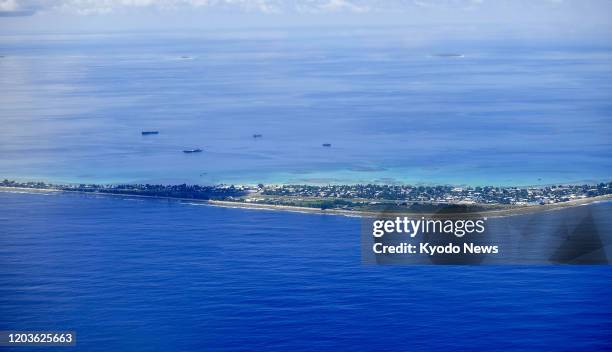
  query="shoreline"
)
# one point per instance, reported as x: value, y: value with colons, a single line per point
x: 519, y: 210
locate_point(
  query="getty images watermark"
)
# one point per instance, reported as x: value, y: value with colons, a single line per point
x: 445, y: 237
x: 414, y: 227
x: 574, y: 235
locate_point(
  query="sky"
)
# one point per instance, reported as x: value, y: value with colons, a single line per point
x: 562, y: 18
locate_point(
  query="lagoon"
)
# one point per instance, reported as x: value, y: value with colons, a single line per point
x: 73, y: 107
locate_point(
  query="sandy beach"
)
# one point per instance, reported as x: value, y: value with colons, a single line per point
x: 518, y: 210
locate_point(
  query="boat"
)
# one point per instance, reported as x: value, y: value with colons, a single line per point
x: 257, y: 135
x: 189, y: 151
x: 457, y: 55
x: 146, y: 133
x: 327, y: 145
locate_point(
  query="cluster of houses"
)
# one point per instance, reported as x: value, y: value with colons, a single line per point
x: 443, y: 194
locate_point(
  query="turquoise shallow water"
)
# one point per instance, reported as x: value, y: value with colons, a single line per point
x: 158, y: 275
x: 72, y: 109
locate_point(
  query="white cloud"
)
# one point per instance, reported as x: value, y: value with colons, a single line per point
x: 484, y: 7
x: 8, y: 5
x: 86, y: 7
x: 333, y: 6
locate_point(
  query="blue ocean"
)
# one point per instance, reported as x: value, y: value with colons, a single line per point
x: 393, y: 108
x: 158, y: 275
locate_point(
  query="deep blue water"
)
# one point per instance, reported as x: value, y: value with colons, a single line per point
x: 507, y: 113
x: 163, y: 275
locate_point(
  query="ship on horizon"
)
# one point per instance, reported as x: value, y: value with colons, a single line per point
x: 147, y: 133
x: 450, y: 55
